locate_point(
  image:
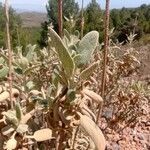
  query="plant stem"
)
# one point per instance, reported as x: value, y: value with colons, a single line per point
x: 82, y: 20
x: 74, y: 137
x: 9, y: 50
x: 106, y: 46
x: 60, y: 22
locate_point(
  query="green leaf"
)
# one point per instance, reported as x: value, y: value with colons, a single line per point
x: 77, y: 33
x: 30, y: 85
x: 64, y: 56
x: 18, y: 111
x: 18, y: 70
x: 87, y: 46
x: 2, y: 60
x: 11, y: 117
x: 19, y: 50
x: 31, y: 52
x: 66, y: 33
x: 60, y: 78
x: 22, y: 128
x: 3, y: 72
x: 71, y: 95
x: 23, y: 62
x: 77, y: 59
x: 85, y: 74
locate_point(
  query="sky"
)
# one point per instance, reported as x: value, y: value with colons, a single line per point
x: 39, y: 5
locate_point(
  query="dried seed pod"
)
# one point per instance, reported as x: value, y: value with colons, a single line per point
x: 26, y: 117
x: 66, y: 116
x: 15, y: 93
x: 60, y: 112
x: 95, y: 97
x: 93, y: 131
x: 5, y: 95
x: 93, y: 80
x: 109, y: 72
x: 42, y: 135
x: 34, y: 92
x: 22, y: 128
x: 107, y: 78
x: 7, y: 130
x: 11, y: 144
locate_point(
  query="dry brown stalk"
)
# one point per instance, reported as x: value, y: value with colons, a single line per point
x: 106, y: 46
x: 9, y: 51
x: 82, y: 19
x: 60, y: 21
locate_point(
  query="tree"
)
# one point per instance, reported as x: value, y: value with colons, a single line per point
x: 69, y: 7
x: 127, y: 20
x: 93, y: 18
x: 115, y: 18
x: 15, y: 23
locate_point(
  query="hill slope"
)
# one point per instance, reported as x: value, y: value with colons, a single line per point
x: 32, y: 19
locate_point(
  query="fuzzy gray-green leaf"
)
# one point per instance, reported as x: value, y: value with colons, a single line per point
x: 66, y: 33
x: 31, y: 52
x: 18, y: 111
x: 85, y: 74
x: 3, y: 72
x: 87, y: 46
x: 64, y: 56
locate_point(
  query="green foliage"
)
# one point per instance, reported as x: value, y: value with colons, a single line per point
x: 27, y: 36
x: 85, y: 74
x: 70, y: 7
x: 48, y: 81
x: 43, y: 40
x: 86, y: 47
x: 127, y: 20
x: 3, y: 72
x: 93, y: 18
x: 63, y: 53
x: 15, y: 23
x: 18, y: 111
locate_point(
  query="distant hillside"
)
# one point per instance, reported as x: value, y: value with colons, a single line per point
x: 32, y: 19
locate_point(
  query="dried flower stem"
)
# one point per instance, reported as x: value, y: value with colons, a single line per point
x: 60, y: 21
x: 9, y: 50
x: 106, y: 46
x: 82, y: 19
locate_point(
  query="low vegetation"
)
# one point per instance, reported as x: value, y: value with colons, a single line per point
x: 57, y: 90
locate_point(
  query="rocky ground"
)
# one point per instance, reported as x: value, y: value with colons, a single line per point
x: 138, y: 137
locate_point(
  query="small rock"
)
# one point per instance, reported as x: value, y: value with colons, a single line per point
x: 140, y: 136
x: 108, y: 113
x: 147, y: 123
x: 115, y: 146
